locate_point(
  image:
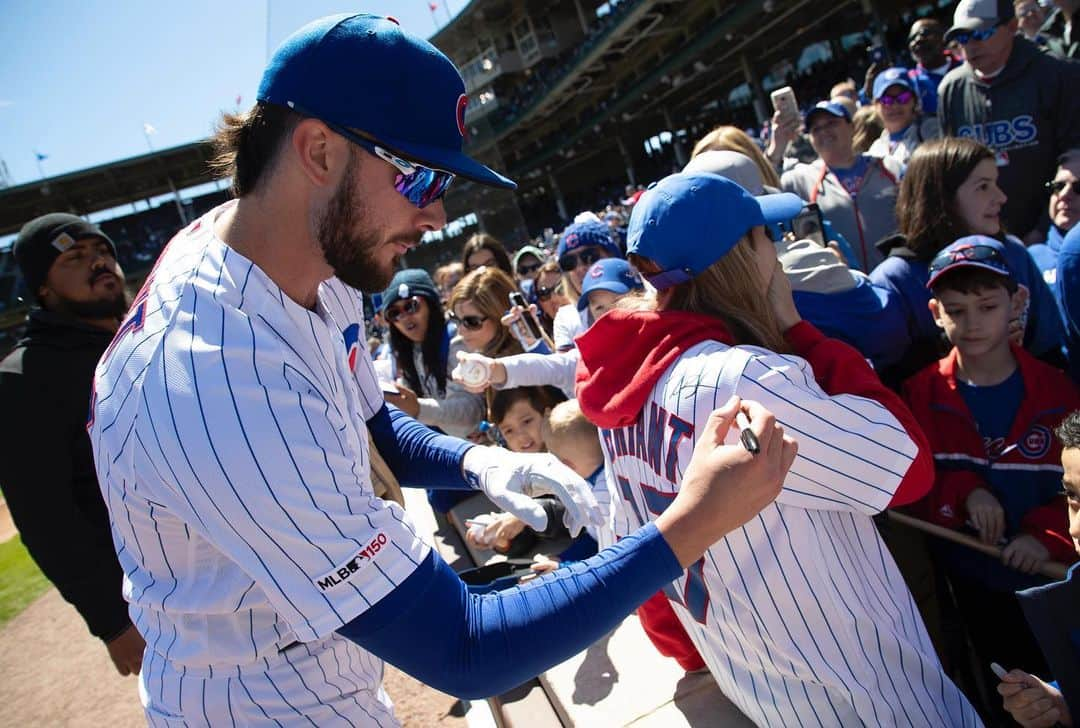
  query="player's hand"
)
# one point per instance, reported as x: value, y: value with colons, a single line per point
x: 512, y: 479
x: 986, y: 515
x: 476, y: 372
x: 126, y: 651
x: 405, y: 400
x: 543, y: 564
x: 834, y: 248
x: 1025, y: 554
x: 781, y: 300
x: 1031, y: 702
x: 724, y: 486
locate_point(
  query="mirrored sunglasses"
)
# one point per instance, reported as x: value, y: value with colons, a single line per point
x: 1059, y: 185
x: 420, y: 185
x: 966, y: 36
x: 472, y: 323
x: 973, y: 253
x: 904, y: 97
x: 570, y: 261
x: 407, y: 308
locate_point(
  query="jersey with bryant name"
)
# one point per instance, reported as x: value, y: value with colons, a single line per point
x: 228, y: 426
x: 801, y: 615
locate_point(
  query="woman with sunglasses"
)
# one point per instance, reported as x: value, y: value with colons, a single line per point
x: 801, y: 614
x: 950, y: 191
x: 896, y: 101
x: 424, y: 350
x: 477, y: 305
x: 547, y: 293
x: 482, y: 250
x: 580, y: 245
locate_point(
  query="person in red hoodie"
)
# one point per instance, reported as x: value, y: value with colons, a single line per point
x: 801, y: 614
x: 989, y: 410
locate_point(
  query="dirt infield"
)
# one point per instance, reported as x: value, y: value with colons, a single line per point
x: 56, y: 674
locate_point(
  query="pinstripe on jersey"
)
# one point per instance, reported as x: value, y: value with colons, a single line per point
x: 801, y: 614
x: 230, y: 445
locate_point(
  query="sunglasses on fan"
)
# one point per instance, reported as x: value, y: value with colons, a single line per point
x: 570, y: 261
x: 472, y: 323
x: 1059, y: 185
x: 904, y: 97
x: 407, y: 308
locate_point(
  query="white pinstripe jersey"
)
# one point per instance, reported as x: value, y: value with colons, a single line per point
x: 228, y: 432
x: 801, y: 615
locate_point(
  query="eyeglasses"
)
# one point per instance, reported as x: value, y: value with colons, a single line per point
x: 420, y: 185
x: 980, y: 253
x: 1028, y: 11
x: 966, y: 36
x: 903, y: 97
x: 526, y: 270
x: 543, y: 294
x: 408, y: 308
x: 570, y: 261
x: 472, y: 323
x: 1059, y: 185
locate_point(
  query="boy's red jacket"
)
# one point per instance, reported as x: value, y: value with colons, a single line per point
x: 1024, y: 472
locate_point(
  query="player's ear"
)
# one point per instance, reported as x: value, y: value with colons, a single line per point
x: 316, y: 151
x: 935, y: 311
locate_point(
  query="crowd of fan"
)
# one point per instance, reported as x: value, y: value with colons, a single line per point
x: 948, y: 255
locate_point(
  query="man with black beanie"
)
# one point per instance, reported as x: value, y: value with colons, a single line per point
x: 46, y: 464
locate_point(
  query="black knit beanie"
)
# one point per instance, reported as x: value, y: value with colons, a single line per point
x: 43, y: 239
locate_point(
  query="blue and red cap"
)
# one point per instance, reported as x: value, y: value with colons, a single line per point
x: 826, y: 107
x: 610, y: 274
x: 977, y: 251
x: 687, y: 221
x: 895, y: 76
x: 365, y: 73
x: 584, y: 234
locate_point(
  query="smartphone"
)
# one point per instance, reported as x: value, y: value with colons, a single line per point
x: 877, y: 54
x: 783, y: 100
x: 810, y: 225
x: 516, y: 299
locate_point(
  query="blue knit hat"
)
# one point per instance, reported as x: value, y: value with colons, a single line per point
x: 365, y: 73
x: 585, y: 234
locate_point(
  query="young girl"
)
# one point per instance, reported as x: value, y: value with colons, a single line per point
x: 948, y: 192
x: 801, y: 614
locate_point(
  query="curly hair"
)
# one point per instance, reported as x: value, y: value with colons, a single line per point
x: 1069, y: 430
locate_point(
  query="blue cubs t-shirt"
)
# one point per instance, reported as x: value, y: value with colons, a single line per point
x: 994, y: 408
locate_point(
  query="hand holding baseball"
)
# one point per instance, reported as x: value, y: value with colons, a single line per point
x: 476, y: 372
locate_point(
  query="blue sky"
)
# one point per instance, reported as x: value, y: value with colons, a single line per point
x: 79, y: 79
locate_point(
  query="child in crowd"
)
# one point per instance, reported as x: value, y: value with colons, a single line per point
x: 1029, y: 700
x: 988, y: 409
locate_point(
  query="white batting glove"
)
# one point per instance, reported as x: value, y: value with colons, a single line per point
x: 512, y: 479
x: 473, y: 371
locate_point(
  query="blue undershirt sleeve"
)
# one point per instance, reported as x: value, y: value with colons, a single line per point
x: 418, y: 456
x: 479, y: 645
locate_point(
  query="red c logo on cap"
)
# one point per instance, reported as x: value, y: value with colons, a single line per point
x: 462, y: 102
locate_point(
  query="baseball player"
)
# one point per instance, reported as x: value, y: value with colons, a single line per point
x: 801, y: 614
x: 233, y: 412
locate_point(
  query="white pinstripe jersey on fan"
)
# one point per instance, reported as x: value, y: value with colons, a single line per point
x: 801, y: 614
x: 229, y: 437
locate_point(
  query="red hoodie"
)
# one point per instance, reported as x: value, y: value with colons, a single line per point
x: 614, y: 382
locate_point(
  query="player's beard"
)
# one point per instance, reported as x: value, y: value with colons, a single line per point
x: 351, y: 253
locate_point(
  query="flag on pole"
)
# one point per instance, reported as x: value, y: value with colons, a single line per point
x: 239, y: 98
x: 433, y: 7
x: 148, y: 129
x: 41, y: 157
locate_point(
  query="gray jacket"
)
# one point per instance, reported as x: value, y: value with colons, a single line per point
x: 868, y: 218
x: 1029, y: 114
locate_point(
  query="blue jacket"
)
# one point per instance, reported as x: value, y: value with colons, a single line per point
x: 906, y: 276
x: 1067, y: 289
x: 869, y: 317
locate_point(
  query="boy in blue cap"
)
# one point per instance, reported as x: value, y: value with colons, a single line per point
x: 988, y: 409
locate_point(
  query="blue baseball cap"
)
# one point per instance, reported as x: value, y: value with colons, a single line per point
x: 896, y: 76
x: 365, y: 73
x: 610, y: 274
x: 826, y: 107
x: 584, y: 234
x: 978, y: 251
x: 688, y: 221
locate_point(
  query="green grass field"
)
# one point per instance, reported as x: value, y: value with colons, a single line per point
x: 21, y: 582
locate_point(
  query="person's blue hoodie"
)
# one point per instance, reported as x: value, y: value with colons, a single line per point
x: 1067, y: 289
x: 906, y: 276
x: 869, y: 317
